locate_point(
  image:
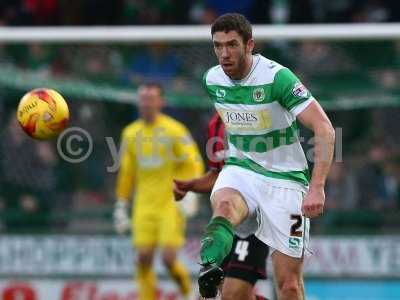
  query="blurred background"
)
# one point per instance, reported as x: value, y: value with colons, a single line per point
x: 55, y: 216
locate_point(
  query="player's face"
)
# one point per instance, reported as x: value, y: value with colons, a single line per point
x: 150, y: 102
x: 232, y: 53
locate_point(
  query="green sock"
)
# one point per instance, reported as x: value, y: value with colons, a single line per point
x: 217, y: 240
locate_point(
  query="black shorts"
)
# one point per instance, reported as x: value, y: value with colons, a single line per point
x: 247, y: 260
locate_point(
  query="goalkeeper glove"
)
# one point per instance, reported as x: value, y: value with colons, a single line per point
x: 121, y: 217
x: 189, y: 205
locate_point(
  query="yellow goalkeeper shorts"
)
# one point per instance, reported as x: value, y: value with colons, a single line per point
x: 163, y: 228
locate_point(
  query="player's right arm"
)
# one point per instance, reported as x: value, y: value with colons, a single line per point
x: 125, y: 183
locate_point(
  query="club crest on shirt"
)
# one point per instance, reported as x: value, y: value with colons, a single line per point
x: 299, y: 90
x: 258, y: 94
x: 220, y: 93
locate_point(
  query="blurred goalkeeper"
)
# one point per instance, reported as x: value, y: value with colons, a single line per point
x: 155, y: 149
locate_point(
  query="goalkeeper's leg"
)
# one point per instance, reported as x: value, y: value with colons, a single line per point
x: 229, y: 210
x: 177, y: 270
x: 146, y: 277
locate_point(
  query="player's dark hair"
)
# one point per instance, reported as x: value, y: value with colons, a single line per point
x: 235, y: 22
x: 154, y: 84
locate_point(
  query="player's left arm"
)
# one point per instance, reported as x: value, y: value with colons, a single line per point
x: 296, y: 98
x: 314, y: 118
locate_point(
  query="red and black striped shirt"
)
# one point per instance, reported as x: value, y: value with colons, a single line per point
x: 216, y: 143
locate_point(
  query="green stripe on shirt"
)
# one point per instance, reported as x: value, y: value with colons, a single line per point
x: 302, y: 177
x: 249, y: 95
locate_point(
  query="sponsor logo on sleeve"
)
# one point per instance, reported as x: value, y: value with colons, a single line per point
x: 299, y: 90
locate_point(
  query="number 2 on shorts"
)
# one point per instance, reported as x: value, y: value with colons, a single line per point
x: 294, y: 230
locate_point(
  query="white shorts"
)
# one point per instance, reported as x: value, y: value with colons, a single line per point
x: 276, y: 210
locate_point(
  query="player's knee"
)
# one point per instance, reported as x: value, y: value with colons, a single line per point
x: 145, y: 258
x: 290, y: 287
x: 225, y: 207
x: 229, y: 205
x: 168, y: 259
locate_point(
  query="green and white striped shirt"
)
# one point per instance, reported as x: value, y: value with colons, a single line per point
x: 259, y: 113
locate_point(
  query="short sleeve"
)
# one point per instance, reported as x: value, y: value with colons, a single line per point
x: 187, y: 155
x: 288, y: 90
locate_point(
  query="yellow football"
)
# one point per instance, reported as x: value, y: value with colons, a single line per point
x: 43, y: 113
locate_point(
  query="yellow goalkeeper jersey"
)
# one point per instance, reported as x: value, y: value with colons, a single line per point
x: 152, y: 156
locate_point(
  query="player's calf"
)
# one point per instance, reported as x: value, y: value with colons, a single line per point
x: 216, y: 242
x: 215, y: 245
x: 229, y: 210
x: 290, y: 286
x: 288, y: 276
x: 235, y: 288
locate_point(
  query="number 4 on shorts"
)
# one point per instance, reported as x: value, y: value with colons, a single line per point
x: 242, y: 249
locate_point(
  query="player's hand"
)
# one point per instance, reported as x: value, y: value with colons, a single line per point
x: 121, y: 217
x: 181, y: 187
x: 178, y: 194
x: 313, y: 203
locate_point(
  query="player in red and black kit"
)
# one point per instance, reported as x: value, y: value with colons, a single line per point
x: 247, y: 261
